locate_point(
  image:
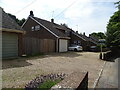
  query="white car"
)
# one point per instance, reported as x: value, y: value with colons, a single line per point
x: 75, y: 48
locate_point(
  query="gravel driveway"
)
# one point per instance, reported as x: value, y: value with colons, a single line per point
x: 16, y: 73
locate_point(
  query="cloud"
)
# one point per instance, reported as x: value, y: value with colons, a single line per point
x: 89, y: 15
x: 79, y: 10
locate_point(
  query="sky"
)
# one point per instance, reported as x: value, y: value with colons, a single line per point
x: 81, y: 15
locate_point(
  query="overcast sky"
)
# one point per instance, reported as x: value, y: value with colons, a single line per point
x: 83, y: 15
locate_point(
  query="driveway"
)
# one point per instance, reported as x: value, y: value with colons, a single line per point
x: 16, y: 73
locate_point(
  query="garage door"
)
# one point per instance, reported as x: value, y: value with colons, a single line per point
x: 9, y: 45
x: 63, y: 45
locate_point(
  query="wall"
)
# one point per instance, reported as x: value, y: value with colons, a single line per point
x: 76, y: 80
x: 42, y: 33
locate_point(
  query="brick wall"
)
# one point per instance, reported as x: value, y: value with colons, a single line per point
x: 76, y: 81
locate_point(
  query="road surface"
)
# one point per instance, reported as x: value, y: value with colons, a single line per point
x: 109, y: 77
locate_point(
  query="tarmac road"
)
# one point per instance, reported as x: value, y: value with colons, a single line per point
x: 109, y: 77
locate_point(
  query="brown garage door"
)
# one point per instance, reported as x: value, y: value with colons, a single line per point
x: 35, y: 45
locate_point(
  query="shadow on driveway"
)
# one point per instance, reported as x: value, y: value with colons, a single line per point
x: 22, y: 61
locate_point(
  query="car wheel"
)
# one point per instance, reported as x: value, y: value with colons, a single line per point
x: 75, y: 50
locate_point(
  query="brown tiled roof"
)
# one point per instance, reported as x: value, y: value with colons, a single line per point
x: 52, y: 27
x: 8, y: 22
x: 84, y: 37
x: 88, y: 39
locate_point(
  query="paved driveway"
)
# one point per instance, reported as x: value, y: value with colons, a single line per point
x: 109, y: 77
x: 16, y: 73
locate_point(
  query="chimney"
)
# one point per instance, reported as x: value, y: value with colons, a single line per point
x: 52, y: 20
x: 77, y: 32
x: 31, y: 14
x: 84, y: 33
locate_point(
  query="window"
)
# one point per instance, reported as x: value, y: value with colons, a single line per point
x: 67, y: 33
x: 75, y: 42
x: 32, y: 28
x: 37, y: 27
x: 78, y: 42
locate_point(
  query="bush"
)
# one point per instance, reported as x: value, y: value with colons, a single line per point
x: 98, y: 47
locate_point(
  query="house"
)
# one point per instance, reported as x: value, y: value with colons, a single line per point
x: 75, y: 38
x: 12, y: 35
x: 78, y: 40
x: 43, y: 36
x: 82, y: 40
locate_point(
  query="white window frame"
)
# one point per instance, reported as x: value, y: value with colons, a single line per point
x: 37, y: 27
x: 32, y: 28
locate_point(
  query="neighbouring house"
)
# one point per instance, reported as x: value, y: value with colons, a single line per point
x: 82, y: 40
x: 12, y: 36
x: 90, y: 41
x: 75, y: 38
x: 78, y: 40
x: 43, y: 36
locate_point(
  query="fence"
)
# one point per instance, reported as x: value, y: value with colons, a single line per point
x: 36, y: 45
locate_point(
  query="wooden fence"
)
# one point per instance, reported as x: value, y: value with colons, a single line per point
x: 36, y: 46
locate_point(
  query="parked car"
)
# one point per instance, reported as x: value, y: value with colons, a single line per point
x: 75, y: 48
x: 93, y: 48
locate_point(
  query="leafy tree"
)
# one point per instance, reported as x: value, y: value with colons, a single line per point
x: 98, y: 35
x: 113, y: 30
x: 19, y: 22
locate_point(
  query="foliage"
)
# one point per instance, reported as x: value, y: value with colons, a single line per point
x: 98, y: 35
x: 113, y: 31
x: 48, y: 84
x: 19, y: 22
x: 99, y: 46
x: 118, y: 4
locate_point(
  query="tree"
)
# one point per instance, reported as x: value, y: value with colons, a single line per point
x: 113, y: 30
x: 19, y: 22
x: 98, y: 35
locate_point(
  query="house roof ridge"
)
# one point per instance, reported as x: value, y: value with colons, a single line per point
x: 49, y: 27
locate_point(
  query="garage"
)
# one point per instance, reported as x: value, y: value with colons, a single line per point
x: 10, y: 45
x: 12, y: 35
x: 63, y: 45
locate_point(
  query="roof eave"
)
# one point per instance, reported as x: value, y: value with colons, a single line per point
x: 64, y: 38
x: 12, y: 30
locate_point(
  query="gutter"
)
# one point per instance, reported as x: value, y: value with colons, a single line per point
x: 12, y: 30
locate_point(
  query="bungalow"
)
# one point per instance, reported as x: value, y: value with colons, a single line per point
x: 11, y: 37
x: 43, y: 36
